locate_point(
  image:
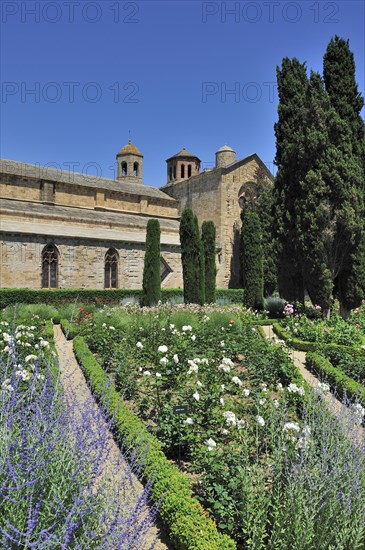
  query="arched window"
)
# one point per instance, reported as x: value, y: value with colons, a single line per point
x: 170, y: 173
x: 111, y: 269
x: 189, y: 170
x: 49, y: 267
x: 183, y: 170
x: 135, y: 169
x: 124, y: 168
x: 175, y: 172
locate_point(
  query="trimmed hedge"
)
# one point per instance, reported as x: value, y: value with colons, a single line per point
x: 185, y: 520
x: 11, y: 296
x: 302, y: 345
x: 68, y: 329
x: 336, y: 377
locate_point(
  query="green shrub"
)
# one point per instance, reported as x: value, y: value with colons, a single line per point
x: 151, y: 270
x: 336, y: 378
x: 208, y: 239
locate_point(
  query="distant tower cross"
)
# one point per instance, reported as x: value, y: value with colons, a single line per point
x: 129, y: 133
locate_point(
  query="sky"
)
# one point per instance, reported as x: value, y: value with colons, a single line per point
x: 78, y: 76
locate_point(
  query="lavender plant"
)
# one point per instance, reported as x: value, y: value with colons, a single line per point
x: 54, y: 492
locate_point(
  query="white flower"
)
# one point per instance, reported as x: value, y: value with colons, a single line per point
x: 262, y: 401
x: 222, y: 344
x: 224, y: 368
x: 193, y: 337
x: 291, y: 428
x: 230, y: 418
x: 237, y: 381
x: 146, y: 373
x: 246, y: 392
x: 6, y: 385
x: 158, y: 375
x: 279, y: 387
x: 189, y: 421
x: 30, y: 358
x: 224, y: 431
x: 7, y: 337
x: 322, y: 388
x: 358, y: 413
x: 227, y: 361
x: 139, y: 345
x: 172, y: 327
x: 6, y: 349
x: 293, y: 388
x: 222, y: 387
x: 104, y: 325
x: 199, y: 384
x: 186, y: 328
x: 163, y: 349
x: 260, y: 420
x: 193, y: 367
x: 164, y: 361
x: 111, y: 328
x: 221, y: 401
x: 240, y: 424
x: 40, y: 376
x: 211, y: 444
x: 176, y: 358
x: 196, y: 396
x: 276, y: 404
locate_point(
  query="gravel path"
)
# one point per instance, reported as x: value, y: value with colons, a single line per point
x: 78, y: 400
x: 335, y: 405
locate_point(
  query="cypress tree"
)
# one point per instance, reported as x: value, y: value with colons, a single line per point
x: 339, y: 77
x: 292, y: 86
x: 151, y: 270
x: 208, y: 239
x: 201, y: 262
x: 192, y: 258
x: 252, y: 261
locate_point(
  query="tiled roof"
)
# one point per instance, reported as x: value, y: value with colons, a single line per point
x: 14, y: 168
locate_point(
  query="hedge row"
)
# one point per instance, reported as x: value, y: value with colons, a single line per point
x: 68, y: 329
x: 335, y: 377
x: 302, y: 345
x: 185, y: 520
x: 11, y: 296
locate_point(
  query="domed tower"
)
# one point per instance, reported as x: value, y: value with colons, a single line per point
x: 224, y: 156
x: 182, y: 166
x: 130, y: 163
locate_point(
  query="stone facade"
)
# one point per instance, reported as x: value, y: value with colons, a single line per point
x: 84, y: 217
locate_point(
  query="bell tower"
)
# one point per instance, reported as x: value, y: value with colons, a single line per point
x: 130, y: 164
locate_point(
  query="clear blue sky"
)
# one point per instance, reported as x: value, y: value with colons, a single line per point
x: 162, y: 69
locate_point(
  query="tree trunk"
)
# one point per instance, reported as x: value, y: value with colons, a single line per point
x: 344, y: 312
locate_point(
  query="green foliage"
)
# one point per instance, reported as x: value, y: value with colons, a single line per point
x: 292, y: 85
x: 252, y: 260
x: 192, y: 258
x: 151, y: 270
x: 184, y: 519
x: 208, y: 239
x: 343, y: 384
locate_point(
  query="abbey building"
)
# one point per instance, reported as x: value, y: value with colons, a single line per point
x: 62, y: 229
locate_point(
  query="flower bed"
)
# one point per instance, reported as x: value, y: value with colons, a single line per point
x: 350, y: 332
x: 48, y: 499
x: 234, y: 413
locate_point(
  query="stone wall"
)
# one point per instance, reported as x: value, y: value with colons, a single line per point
x: 80, y: 263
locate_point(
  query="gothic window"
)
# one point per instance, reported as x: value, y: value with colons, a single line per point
x: 49, y: 267
x: 183, y: 170
x: 124, y: 168
x: 165, y: 269
x: 189, y: 170
x: 135, y: 169
x: 111, y: 269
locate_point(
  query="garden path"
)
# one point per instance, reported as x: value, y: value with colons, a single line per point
x: 335, y: 405
x: 78, y: 397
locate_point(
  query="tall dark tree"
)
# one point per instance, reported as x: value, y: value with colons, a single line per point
x: 327, y: 205
x: 201, y: 279
x: 152, y: 261
x: 292, y: 87
x: 264, y: 208
x: 252, y: 261
x: 208, y: 239
x: 191, y: 257
x: 339, y: 76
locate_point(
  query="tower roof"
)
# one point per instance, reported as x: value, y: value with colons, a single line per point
x: 226, y: 149
x: 183, y: 154
x: 130, y: 149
